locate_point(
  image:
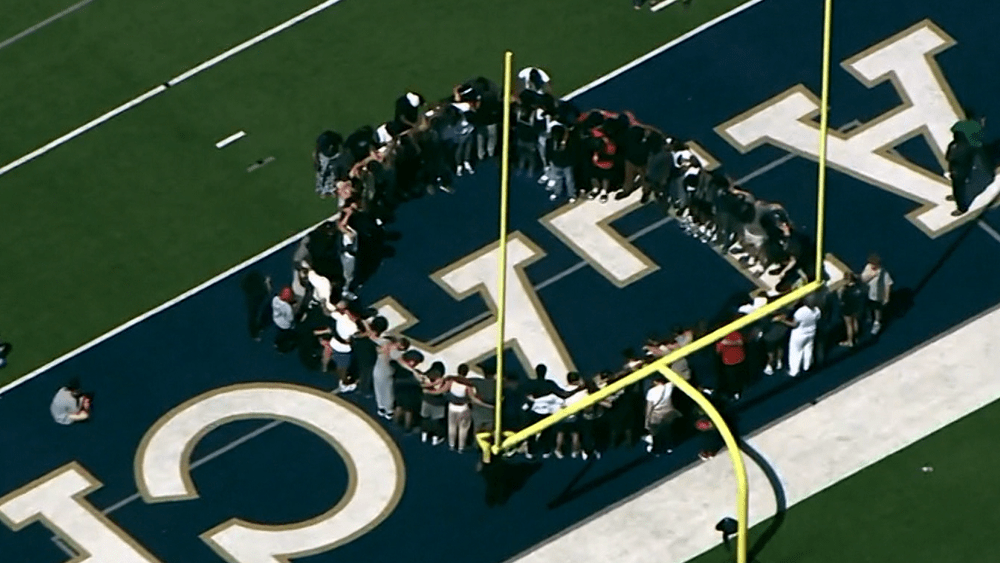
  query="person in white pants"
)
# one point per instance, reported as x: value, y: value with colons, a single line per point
x: 802, y: 337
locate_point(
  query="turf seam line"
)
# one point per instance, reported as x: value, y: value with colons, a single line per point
x: 593, y: 84
x: 14, y: 39
x: 989, y: 230
x: 202, y: 461
x: 162, y: 87
x: 63, y: 547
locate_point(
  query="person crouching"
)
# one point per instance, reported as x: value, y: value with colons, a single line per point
x: 70, y: 404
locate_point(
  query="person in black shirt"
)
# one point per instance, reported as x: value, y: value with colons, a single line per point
x: 326, y: 162
x: 5, y: 348
x: 853, y: 298
x: 636, y: 146
x: 526, y: 137
x: 960, y: 156
x: 562, y: 151
x: 361, y: 143
x: 407, y: 111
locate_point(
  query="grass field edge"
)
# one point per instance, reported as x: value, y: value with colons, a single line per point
x: 275, y: 248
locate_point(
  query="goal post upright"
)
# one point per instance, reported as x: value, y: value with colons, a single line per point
x: 824, y: 130
x: 502, y: 267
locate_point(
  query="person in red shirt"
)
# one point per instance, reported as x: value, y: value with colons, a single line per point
x: 732, y: 357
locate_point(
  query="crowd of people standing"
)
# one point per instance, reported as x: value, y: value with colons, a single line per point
x: 592, y: 154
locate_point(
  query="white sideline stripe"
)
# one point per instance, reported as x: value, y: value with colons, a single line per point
x: 151, y: 312
x: 810, y: 450
x: 251, y: 42
x: 230, y: 139
x: 662, y: 5
x: 159, y: 89
x: 43, y: 23
x: 81, y: 129
x: 621, y: 70
x: 295, y: 237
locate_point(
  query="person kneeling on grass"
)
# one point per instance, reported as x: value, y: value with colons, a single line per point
x: 70, y: 404
x: 5, y: 349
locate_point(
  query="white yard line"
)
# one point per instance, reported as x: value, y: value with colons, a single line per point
x: 655, y: 52
x: 810, y: 450
x: 293, y: 238
x: 251, y: 42
x: 43, y: 23
x: 664, y: 4
x: 81, y: 129
x: 231, y: 139
x: 150, y: 313
x: 161, y: 88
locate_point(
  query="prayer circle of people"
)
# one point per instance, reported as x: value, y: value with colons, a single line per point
x: 593, y: 154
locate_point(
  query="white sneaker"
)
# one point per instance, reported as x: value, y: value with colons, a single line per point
x: 553, y: 197
x: 558, y: 454
x: 584, y: 456
x: 768, y: 370
x: 876, y: 327
x: 423, y: 436
x: 468, y: 168
x: 436, y: 440
x: 648, y: 439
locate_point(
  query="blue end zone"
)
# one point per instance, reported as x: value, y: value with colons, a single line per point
x: 286, y: 474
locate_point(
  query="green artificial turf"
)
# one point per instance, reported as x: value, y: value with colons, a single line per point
x: 142, y: 208
x: 894, y: 512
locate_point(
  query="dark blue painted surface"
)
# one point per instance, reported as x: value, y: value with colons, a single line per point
x: 286, y: 474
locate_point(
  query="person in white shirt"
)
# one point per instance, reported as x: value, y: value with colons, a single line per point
x: 660, y: 414
x: 879, y: 288
x: 534, y: 79
x: 802, y: 337
x: 336, y: 341
x: 283, y: 316
x: 459, y: 409
x: 70, y: 404
x: 571, y: 425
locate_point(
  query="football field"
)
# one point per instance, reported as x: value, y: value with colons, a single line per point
x: 117, y: 206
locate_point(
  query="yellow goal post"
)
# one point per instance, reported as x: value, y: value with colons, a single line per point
x: 501, y: 440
